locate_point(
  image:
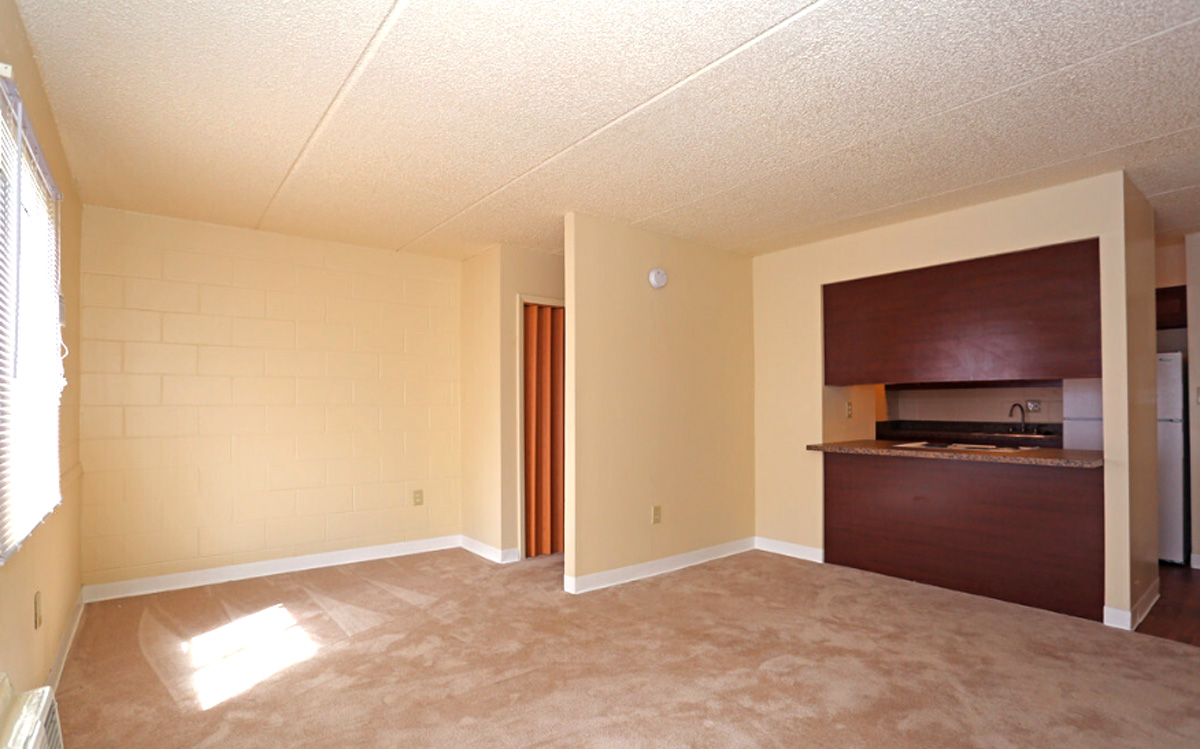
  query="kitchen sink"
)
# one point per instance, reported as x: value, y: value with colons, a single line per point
x: 964, y: 446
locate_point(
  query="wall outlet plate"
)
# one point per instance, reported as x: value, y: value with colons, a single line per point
x: 37, y: 610
x: 1033, y: 406
x: 418, y: 497
x: 656, y: 514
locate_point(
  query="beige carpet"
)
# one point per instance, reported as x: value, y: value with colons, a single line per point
x: 445, y: 649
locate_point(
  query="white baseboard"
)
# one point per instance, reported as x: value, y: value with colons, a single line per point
x: 64, y: 646
x: 1117, y: 618
x: 1130, y: 620
x: 160, y: 583
x: 1195, y: 562
x: 1142, y: 608
x: 490, y: 553
x: 608, y: 578
x: 784, y: 548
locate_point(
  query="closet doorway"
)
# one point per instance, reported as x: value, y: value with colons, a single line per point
x: 544, y: 376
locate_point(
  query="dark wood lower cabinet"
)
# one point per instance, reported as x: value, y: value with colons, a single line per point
x: 1032, y: 535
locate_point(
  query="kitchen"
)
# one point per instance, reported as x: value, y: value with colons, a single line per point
x: 966, y: 484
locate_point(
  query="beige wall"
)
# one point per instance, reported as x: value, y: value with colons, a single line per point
x: 535, y: 276
x: 1170, y: 263
x: 866, y: 407
x: 481, y: 397
x: 494, y: 284
x: 1143, y: 392
x: 1193, y: 397
x: 660, y: 394
x: 250, y: 396
x: 975, y: 404
x: 49, y: 560
x: 790, y: 397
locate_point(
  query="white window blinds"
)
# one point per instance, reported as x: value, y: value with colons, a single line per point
x: 31, y: 351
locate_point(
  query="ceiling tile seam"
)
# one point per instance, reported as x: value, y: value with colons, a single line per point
x: 1174, y: 190
x: 368, y: 53
x: 740, y: 249
x: 914, y: 122
x: 766, y: 34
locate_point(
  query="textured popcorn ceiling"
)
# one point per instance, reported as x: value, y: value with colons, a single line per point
x: 441, y: 126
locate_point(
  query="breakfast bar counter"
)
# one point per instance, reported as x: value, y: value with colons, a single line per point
x: 1040, y: 456
x: 1025, y: 526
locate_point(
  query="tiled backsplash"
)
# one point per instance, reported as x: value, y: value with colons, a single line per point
x: 973, y: 404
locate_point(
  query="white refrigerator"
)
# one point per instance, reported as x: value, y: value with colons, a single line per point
x: 1083, y: 414
x: 1172, y: 454
x: 1083, y: 429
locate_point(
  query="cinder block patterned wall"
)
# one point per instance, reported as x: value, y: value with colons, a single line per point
x: 248, y: 396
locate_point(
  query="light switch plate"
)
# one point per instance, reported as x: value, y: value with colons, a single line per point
x: 1033, y: 406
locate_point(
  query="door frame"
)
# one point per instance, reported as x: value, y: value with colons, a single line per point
x: 519, y: 311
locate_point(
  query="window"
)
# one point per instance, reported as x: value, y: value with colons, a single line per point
x: 31, y: 350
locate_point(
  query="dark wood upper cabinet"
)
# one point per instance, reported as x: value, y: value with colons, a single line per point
x: 1172, y: 307
x: 1030, y: 315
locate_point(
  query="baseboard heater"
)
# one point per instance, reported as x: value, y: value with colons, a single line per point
x: 28, y: 720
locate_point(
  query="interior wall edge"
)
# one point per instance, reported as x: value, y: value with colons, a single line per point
x: 68, y: 639
x: 1192, y: 244
x: 1130, y: 620
x: 490, y: 553
x: 1142, y: 373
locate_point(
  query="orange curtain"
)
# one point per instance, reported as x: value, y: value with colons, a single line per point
x: 545, y: 330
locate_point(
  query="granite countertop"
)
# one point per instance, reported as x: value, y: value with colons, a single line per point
x: 1039, y: 457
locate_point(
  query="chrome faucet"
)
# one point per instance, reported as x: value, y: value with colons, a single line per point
x: 1010, y: 410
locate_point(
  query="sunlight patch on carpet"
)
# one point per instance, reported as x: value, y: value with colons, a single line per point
x: 232, y: 658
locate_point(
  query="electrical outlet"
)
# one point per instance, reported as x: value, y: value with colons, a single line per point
x: 1033, y: 406
x: 37, y: 610
x: 418, y: 497
x: 656, y: 514
x: 849, y: 410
